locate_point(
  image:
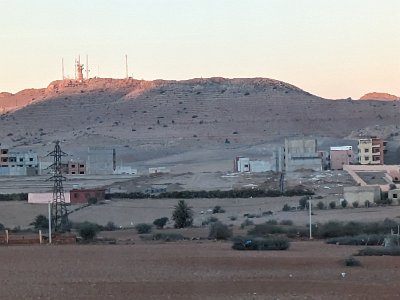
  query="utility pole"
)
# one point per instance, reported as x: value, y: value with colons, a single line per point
x: 50, y: 220
x: 126, y: 65
x: 62, y: 66
x: 87, y: 67
x: 310, y: 213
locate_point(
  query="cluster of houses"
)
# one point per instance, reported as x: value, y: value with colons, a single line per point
x: 303, y: 153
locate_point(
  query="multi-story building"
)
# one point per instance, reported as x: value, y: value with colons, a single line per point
x: 76, y: 167
x: 371, y: 151
x: 340, y: 156
x: 17, y: 163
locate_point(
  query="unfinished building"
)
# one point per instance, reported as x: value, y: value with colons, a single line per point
x: 101, y: 161
x: 371, y: 151
x: 340, y: 156
x: 298, y: 154
x: 18, y: 163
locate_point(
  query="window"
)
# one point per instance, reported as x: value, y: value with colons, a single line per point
x: 72, y: 166
x: 81, y: 166
x: 366, y: 150
x: 394, y: 196
x: 366, y: 157
x: 30, y: 158
x: 72, y: 172
x: 81, y: 172
x: 21, y: 159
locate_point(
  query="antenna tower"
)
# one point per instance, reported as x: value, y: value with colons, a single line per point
x: 59, y: 213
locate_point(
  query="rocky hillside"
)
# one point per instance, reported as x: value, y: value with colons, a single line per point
x: 174, y: 116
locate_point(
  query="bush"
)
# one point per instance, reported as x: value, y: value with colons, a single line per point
x: 2, y: 226
x: 344, y: 203
x: 219, y: 231
x: 182, y: 215
x: 160, y: 222
x: 351, y: 262
x: 286, y: 207
x: 110, y: 226
x: 355, y: 204
x: 362, y: 239
x: 332, y: 205
x: 286, y: 222
x: 88, y: 231
x: 218, y: 210
x: 320, y: 205
x: 249, y: 243
x: 391, y: 251
x: 272, y: 222
x: 209, y: 221
x: 246, y: 223
x: 167, y: 237
x: 40, y: 222
x: 367, y: 203
x: 265, y: 229
x: 233, y: 218
x: 143, y: 228
x: 92, y: 201
x: 303, y: 202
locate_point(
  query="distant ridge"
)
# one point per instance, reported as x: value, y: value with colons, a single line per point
x: 380, y: 97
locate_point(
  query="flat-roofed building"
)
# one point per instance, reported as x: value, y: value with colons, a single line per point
x: 340, y: 156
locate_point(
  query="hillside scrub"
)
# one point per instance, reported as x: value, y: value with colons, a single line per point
x: 251, y: 243
x: 357, y: 240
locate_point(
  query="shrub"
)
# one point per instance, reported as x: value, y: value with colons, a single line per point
x: 286, y: 222
x: 167, y: 237
x: 160, y: 222
x: 351, y: 262
x: 182, y: 215
x: 355, y: 204
x: 92, y: 201
x: 265, y: 229
x: 344, y: 203
x: 362, y: 239
x: 367, y: 203
x: 218, y: 210
x: 391, y: 251
x: 272, y: 222
x: 303, y: 202
x: 110, y: 226
x: 88, y: 231
x: 249, y: 243
x: 40, y: 222
x: 233, y: 218
x: 219, y: 231
x: 209, y: 221
x: 143, y: 228
x: 286, y: 207
x: 246, y: 223
x: 2, y: 226
x: 332, y: 205
x: 320, y: 205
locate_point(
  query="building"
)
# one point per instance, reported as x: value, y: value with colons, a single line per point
x: 82, y: 196
x: 159, y: 170
x: 45, y: 198
x: 301, y: 153
x: 76, y: 167
x: 394, y: 195
x: 340, y: 156
x: 18, y: 163
x: 241, y: 164
x: 371, y: 151
x: 101, y: 161
x: 244, y: 164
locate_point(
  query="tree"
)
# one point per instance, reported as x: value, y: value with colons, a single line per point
x: 321, y: 205
x: 88, y: 231
x: 219, y: 231
x: 160, y: 222
x: 332, y: 204
x: 40, y: 222
x: 143, y: 228
x: 344, y: 203
x: 182, y: 215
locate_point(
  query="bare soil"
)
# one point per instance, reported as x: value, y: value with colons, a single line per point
x: 193, y: 270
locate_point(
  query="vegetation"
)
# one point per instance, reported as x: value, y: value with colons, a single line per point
x: 362, y: 239
x: 143, y: 228
x: 344, y: 203
x: 218, y: 210
x: 110, y: 226
x: 351, y: 262
x: 168, y: 237
x: 182, y: 215
x: 14, y: 197
x: 209, y: 221
x: 2, y: 226
x: 355, y: 204
x: 250, y: 243
x: 219, y: 231
x: 92, y: 201
x: 246, y: 223
x: 40, y: 222
x: 391, y: 251
x: 160, y: 222
x: 243, y: 193
x: 286, y: 222
x: 332, y: 205
x: 286, y: 207
x: 320, y: 205
x: 88, y: 231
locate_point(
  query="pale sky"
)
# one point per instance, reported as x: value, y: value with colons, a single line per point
x: 331, y: 48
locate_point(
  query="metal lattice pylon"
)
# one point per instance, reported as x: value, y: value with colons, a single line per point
x: 59, y: 213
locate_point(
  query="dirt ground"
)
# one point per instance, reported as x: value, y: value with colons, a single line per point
x: 193, y: 270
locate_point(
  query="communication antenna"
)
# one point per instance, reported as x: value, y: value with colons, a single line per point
x: 87, y: 66
x: 59, y: 213
x: 126, y: 66
x: 62, y: 66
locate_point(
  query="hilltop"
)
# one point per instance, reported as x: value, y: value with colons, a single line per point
x: 213, y: 119
x: 380, y: 97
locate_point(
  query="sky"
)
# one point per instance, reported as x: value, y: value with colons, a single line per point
x: 331, y: 48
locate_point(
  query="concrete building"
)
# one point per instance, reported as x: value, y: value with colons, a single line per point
x: 301, y: 153
x: 45, y: 198
x: 371, y: 151
x: 158, y: 170
x: 340, y: 156
x: 360, y: 194
x: 18, y: 163
x: 125, y: 170
x: 76, y: 167
x: 101, y: 161
x: 394, y: 195
x: 241, y: 164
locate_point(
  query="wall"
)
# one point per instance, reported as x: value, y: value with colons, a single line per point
x: 44, y: 198
x: 82, y: 196
x: 101, y: 161
x: 302, y: 154
x: 394, y: 195
x: 361, y: 193
x: 340, y: 158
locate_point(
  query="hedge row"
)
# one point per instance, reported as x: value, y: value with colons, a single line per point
x: 14, y: 197
x: 245, y: 193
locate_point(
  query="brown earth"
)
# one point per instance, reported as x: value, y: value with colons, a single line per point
x: 380, y: 96
x: 193, y: 270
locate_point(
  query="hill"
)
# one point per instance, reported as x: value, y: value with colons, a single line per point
x: 165, y: 118
x: 380, y: 97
